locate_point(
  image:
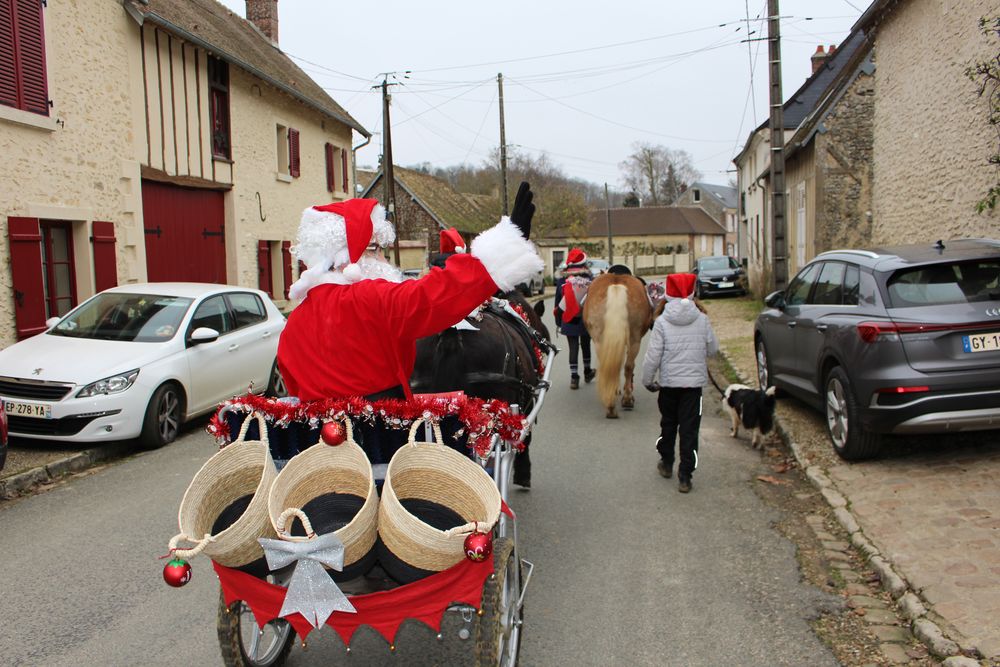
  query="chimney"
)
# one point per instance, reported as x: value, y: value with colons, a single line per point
x: 817, y: 58
x: 829, y: 52
x: 264, y: 15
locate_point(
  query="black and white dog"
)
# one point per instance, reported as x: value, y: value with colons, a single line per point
x: 754, y: 408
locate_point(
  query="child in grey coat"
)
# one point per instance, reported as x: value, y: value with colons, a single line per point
x: 676, y: 366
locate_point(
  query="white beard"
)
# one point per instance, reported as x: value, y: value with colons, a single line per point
x: 372, y: 269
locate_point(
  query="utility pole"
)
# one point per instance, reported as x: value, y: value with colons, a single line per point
x: 779, y: 236
x: 389, y: 183
x: 503, y: 147
x: 607, y: 208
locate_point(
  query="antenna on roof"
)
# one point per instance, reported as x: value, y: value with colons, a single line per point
x: 939, y: 245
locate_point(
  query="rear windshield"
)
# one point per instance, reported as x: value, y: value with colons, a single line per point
x: 940, y: 284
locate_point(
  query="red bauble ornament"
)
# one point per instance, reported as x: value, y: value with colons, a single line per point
x: 177, y: 572
x: 333, y: 433
x: 478, y: 546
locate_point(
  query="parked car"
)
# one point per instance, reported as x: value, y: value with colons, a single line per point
x: 412, y: 274
x: 719, y: 275
x: 596, y: 266
x: 137, y: 361
x: 535, y: 285
x: 892, y: 340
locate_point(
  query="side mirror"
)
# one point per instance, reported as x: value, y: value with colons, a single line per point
x: 775, y: 300
x: 203, y: 335
x: 52, y: 321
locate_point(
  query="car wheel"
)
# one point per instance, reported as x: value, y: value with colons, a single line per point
x: 764, y: 378
x: 849, y: 439
x: 163, y: 417
x: 276, y: 384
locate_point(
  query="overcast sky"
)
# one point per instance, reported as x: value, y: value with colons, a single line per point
x: 583, y: 80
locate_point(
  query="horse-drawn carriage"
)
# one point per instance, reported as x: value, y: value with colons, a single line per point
x: 467, y: 613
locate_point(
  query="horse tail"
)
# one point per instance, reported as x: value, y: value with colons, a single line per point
x: 611, y: 349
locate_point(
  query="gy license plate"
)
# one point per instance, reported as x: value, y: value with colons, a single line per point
x: 18, y: 409
x: 981, y: 342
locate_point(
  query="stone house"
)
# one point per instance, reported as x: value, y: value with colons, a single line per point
x: 753, y: 161
x: 828, y: 166
x: 931, y: 136
x: 424, y: 206
x: 720, y: 202
x: 154, y: 140
x: 685, y: 231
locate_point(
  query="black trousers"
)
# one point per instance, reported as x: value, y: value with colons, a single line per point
x: 576, y: 343
x: 680, y: 410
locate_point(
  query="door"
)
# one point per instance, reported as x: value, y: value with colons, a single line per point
x: 781, y: 332
x: 214, y: 366
x: 800, y: 224
x: 255, y: 340
x: 185, y: 233
x: 816, y: 317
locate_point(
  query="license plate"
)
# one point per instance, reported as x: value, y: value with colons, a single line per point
x: 981, y: 342
x: 724, y: 285
x: 19, y: 409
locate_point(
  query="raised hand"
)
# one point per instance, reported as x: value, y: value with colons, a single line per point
x: 523, y: 209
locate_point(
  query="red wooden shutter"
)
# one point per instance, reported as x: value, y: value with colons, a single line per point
x: 26, y: 272
x: 8, y: 62
x: 105, y: 262
x: 264, y: 267
x: 31, y: 56
x: 293, y: 153
x: 286, y: 264
x: 328, y: 151
x: 343, y: 161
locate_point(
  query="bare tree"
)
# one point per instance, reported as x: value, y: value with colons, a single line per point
x: 658, y: 174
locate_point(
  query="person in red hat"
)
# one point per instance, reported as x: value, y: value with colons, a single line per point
x: 571, y: 292
x: 676, y: 366
x: 354, y: 333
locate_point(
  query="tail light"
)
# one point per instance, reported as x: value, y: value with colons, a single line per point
x: 871, y: 331
x: 903, y: 390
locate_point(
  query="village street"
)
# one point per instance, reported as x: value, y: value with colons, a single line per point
x: 629, y: 571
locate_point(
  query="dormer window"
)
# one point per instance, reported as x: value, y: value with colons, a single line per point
x: 696, y: 193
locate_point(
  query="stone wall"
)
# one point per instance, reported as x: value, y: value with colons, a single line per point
x: 931, y: 137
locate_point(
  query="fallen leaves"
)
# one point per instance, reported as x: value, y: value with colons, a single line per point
x: 770, y: 479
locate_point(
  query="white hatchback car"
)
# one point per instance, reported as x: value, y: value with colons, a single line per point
x: 137, y: 361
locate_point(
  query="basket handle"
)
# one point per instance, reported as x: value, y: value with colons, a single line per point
x: 419, y: 422
x: 279, y: 525
x: 469, y: 528
x: 199, y: 545
x: 261, y: 426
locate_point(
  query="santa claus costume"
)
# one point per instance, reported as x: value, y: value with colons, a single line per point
x: 354, y: 332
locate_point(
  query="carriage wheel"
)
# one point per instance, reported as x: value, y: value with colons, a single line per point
x: 243, y: 644
x: 498, y: 638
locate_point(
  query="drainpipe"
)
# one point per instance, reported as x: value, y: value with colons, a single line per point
x: 354, y: 166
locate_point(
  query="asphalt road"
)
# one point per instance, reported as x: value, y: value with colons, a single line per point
x: 629, y: 571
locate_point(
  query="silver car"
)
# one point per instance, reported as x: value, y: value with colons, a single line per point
x: 890, y: 340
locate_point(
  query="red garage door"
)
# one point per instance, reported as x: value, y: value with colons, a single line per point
x: 185, y: 233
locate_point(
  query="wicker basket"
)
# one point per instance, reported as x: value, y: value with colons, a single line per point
x: 224, y: 509
x: 425, y: 483
x: 334, y: 487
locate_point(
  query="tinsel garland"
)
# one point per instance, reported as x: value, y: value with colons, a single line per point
x: 481, y: 419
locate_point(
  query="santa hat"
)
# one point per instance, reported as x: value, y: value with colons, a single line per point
x: 336, y: 235
x: 681, y: 285
x: 576, y: 256
x: 452, y: 241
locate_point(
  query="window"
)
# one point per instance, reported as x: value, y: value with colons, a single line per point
x: 23, y: 83
x: 214, y: 314
x: 58, y: 270
x: 830, y: 285
x: 696, y: 194
x: 247, y: 308
x: 799, y: 290
x: 287, y: 141
x: 852, y: 284
x: 218, y: 101
x: 331, y: 176
x: 952, y: 283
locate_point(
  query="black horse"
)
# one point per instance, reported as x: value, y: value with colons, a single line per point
x: 495, y: 361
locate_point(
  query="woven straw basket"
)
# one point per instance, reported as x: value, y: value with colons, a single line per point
x: 315, y: 475
x: 241, y: 469
x: 427, y: 471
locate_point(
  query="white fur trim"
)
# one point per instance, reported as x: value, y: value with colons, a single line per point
x: 509, y: 258
x: 353, y: 273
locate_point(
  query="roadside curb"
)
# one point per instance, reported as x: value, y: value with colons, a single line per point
x: 913, y: 607
x: 23, y: 482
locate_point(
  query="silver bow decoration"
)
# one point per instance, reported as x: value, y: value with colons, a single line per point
x: 311, y: 592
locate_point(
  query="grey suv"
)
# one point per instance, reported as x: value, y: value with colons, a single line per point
x: 891, y: 340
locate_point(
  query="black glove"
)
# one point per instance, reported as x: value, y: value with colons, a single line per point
x: 523, y: 209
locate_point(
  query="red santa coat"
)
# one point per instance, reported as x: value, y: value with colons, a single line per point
x: 359, y: 339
